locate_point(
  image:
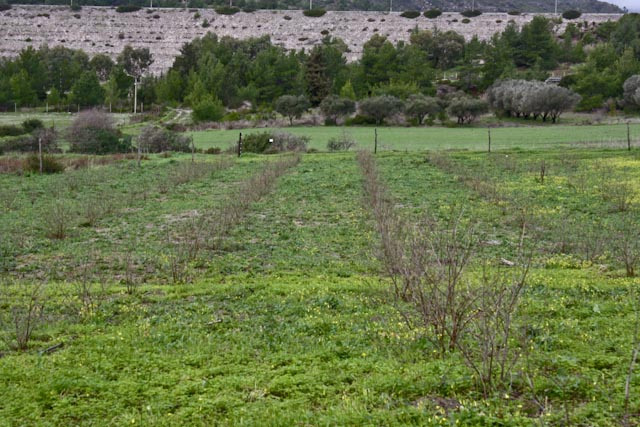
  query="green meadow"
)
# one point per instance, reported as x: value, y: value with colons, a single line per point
x: 288, y: 317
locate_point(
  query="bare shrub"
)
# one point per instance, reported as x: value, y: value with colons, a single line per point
x: 625, y: 243
x: 58, y: 219
x: 220, y: 222
x: 489, y: 348
x: 343, y: 143
x: 428, y: 262
x: 154, y: 139
x: 24, y: 312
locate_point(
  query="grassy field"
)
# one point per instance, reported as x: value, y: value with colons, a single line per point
x: 288, y: 318
x: 439, y: 138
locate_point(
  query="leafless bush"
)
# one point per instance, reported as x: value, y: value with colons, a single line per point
x: 489, y: 348
x: 427, y: 263
x: 185, y: 172
x: 24, y: 312
x: 220, y: 222
x: 625, y: 242
x: 618, y: 194
x: 57, y: 219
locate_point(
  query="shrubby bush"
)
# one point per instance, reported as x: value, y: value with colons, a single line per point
x: 227, y: 10
x: 571, y: 14
x: 273, y: 142
x: 11, y: 130
x: 49, y: 164
x: 209, y: 109
x: 314, y: 13
x: 411, y: 14
x: 342, y: 143
x: 127, y: 8
x: 93, y: 132
x: 471, y: 13
x: 433, y: 13
x: 4, y: 6
x: 155, y: 139
x: 30, y: 144
x: 514, y: 12
x: 29, y: 125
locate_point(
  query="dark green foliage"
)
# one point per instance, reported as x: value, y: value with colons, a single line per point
x: 127, y: 8
x: 11, y: 130
x: 227, y: 10
x: 420, y: 106
x: 248, y: 10
x: 209, y: 109
x: 411, y: 14
x: 432, y: 13
x: 93, y: 132
x: 514, y: 12
x: 29, y: 125
x: 314, y: 13
x: 292, y: 106
x: 571, y: 14
x: 273, y: 142
x: 75, y: 7
x: 4, y: 7
x: 379, y: 108
x: 257, y: 142
x: 466, y: 109
x: 87, y: 91
x: 205, y: 24
x: 334, y: 107
x: 471, y: 13
x: 360, y: 120
x: 465, y: 21
x: 49, y: 164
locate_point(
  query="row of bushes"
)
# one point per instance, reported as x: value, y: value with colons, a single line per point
x: 27, y: 126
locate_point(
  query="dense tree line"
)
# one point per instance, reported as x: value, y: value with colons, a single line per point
x: 212, y: 74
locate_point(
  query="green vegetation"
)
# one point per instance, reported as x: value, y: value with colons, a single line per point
x: 437, y: 138
x: 285, y: 315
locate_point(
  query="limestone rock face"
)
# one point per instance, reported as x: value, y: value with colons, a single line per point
x: 164, y: 31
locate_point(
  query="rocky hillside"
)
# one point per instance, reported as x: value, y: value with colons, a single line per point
x: 164, y: 31
x: 538, y: 6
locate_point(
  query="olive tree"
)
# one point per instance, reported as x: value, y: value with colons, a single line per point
x: 632, y: 90
x: 466, y: 108
x: 292, y: 106
x: 334, y: 107
x: 381, y: 107
x: 420, y: 106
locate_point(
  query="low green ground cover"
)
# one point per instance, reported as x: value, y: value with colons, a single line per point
x: 439, y: 138
x: 290, y: 321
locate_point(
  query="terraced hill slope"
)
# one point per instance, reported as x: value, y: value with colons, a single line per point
x: 164, y: 31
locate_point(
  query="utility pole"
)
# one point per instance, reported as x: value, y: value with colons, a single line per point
x: 556, y: 10
x: 310, y: 4
x: 390, y: 6
x: 135, y: 95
